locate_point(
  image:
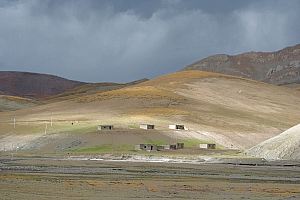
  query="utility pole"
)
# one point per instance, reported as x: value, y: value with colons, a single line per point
x: 51, y: 120
x: 14, y: 122
x: 12, y: 153
x: 46, y: 128
x: 112, y: 143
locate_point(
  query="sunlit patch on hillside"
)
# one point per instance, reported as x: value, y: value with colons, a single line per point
x: 158, y: 112
x: 141, y: 92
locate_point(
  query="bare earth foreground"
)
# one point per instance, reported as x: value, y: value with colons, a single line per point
x: 53, y: 178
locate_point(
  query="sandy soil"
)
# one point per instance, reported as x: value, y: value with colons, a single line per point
x: 44, y: 178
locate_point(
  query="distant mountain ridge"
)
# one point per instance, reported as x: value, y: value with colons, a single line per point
x: 34, y: 85
x: 279, y: 67
x: 46, y: 86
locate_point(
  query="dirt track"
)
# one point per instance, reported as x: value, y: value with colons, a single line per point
x: 44, y: 178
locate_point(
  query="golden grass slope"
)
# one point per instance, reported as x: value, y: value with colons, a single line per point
x: 139, y: 92
x: 89, y: 89
x: 83, y: 90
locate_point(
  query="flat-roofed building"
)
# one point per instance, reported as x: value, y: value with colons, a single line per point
x: 176, y: 127
x: 180, y: 145
x: 105, y: 127
x: 147, y: 126
x: 207, y: 146
x: 146, y: 147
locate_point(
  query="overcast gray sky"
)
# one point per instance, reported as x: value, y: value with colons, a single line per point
x: 124, y: 40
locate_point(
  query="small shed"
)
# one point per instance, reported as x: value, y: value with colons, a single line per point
x: 176, y: 126
x: 146, y: 126
x: 180, y: 145
x: 105, y: 127
x: 170, y: 146
x: 161, y: 147
x: 164, y: 147
x: 146, y: 147
x: 207, y: 146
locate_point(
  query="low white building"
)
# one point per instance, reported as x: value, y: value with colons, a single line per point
x: 147, y: 126
x: 176, y: 127
x: 105, y: 127
x: 207, y: 146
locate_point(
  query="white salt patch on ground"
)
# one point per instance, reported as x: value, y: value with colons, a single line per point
x: 140, y: 158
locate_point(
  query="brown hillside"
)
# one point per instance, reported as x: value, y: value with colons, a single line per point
x: 33, y: 85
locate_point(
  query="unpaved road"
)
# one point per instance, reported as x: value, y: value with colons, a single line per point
x: 48, y: 178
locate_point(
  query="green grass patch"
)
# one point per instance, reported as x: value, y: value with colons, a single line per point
x: 106, y: 148
x: 156, y: 142
x: 76, y: 128
x: 192, y: 143
x: 134, y: 126
x: 82, y: 129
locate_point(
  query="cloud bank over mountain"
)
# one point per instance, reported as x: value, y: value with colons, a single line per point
x: 125, y: 40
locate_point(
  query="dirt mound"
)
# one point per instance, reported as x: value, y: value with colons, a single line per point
x: 283, y: 146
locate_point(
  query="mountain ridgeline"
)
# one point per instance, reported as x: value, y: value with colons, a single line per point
x: 33, y: 85
x: 280, y: 67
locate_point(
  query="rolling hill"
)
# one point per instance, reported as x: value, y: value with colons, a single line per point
x: 280, y: 67
x: 231, y: 111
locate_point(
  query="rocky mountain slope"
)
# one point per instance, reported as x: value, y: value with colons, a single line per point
x: 280, y: 67
x: 283, y: 146
x: 33, y: 85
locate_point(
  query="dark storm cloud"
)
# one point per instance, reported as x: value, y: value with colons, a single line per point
x: 125, y: 40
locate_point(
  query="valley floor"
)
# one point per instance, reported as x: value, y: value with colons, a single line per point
x: 52, y: 178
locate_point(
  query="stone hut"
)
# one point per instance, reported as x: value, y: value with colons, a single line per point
x: 146, y: 147
x: 180, y: 145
